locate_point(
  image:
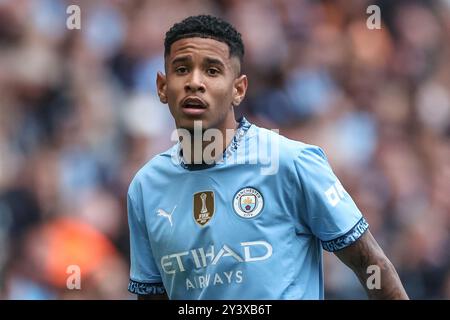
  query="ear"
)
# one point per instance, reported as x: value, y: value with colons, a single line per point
x: 240, y: 89
x: 161, y: 85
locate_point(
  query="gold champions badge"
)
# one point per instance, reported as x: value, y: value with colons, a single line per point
x: 203, y: 207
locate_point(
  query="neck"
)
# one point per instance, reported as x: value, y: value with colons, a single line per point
x: 207, y: 146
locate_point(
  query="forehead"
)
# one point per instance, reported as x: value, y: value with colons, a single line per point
x: 201, y: 47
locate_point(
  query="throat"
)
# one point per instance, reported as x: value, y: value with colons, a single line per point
x: 207, y: 147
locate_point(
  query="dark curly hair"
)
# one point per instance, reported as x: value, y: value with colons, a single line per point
x: 206, y: 26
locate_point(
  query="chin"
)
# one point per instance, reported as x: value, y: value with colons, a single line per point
x: 188, y: 124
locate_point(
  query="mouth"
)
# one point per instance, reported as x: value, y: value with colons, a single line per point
x: 193, y: 106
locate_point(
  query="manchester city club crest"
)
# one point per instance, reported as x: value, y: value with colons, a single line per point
x: 248, y: 203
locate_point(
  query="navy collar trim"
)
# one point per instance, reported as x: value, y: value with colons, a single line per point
x: 243, y: 127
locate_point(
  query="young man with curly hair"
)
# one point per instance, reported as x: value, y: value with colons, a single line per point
x: 207, y: 222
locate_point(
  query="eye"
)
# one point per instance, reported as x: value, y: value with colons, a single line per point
x: 181, y: 70
x: 213, y: 71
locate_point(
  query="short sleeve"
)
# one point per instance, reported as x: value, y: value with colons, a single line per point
x: 327, y: 209
x: 144, y: 274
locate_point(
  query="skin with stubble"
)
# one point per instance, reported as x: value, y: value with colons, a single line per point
x: 202, y: 83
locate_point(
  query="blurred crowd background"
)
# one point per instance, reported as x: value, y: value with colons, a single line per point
x: 79, y: 115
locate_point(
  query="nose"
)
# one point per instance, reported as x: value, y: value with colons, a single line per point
x: 194, y: 82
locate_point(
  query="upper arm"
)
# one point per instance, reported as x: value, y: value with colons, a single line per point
x: 145, y: 277
x: 332, y: 216
x: 362, y: 253
x: 325, y: 207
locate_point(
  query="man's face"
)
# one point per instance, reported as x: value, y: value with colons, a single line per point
x: 201, y: 83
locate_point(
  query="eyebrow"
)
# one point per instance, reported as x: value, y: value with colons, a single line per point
x: 181, y: 59
x: 209, y: 60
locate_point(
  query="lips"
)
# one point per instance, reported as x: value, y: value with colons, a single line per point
x: 193, y: 106
x: 194, y: 103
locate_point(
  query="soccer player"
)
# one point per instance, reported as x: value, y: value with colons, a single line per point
x: 209, y: 220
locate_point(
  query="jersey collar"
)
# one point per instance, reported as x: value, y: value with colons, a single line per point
x: 243, y: 127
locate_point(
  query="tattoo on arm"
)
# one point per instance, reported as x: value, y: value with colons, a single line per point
x: 363, y: 254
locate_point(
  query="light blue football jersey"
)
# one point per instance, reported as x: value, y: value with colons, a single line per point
x: 233, y: 231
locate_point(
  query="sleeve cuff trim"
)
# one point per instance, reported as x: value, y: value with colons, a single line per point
x: 145, y: 288
x: 347, y: 239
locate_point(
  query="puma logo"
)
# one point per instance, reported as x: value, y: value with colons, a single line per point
x: 163, y: 213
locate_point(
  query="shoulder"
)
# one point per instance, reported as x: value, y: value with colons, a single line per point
x: 290, y: 152
x: 154, y: 170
